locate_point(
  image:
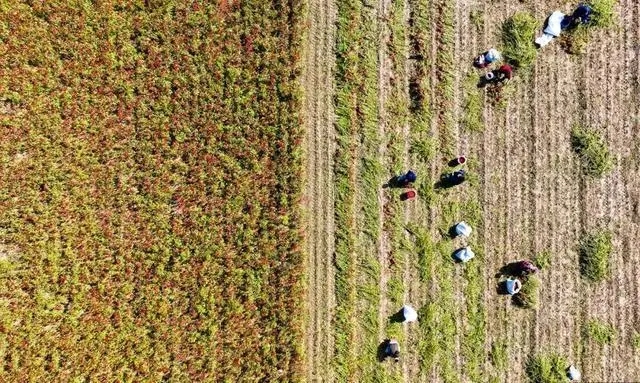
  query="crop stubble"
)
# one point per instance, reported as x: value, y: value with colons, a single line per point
x: 318, y: 80
x: 534, y: 198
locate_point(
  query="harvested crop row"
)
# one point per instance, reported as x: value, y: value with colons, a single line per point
x: 319, y: 197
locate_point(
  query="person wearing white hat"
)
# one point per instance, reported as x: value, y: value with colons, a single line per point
x: 409, y: 314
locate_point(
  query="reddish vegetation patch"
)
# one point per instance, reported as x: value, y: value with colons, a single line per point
x: 150, y: 181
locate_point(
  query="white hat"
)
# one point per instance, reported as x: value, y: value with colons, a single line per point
x: 410, y: 315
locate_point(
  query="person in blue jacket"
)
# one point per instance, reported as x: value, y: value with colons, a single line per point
x: 582, y: 14
x: 406, y: 179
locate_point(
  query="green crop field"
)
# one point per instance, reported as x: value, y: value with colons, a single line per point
x: 150, y: 173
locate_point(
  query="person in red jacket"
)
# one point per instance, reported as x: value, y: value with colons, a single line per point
x: 504, y: 73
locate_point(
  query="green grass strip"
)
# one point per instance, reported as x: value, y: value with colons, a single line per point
x: 345, y: 241
x: 370, y: 180
x: 397, y: 114
x: 472, y: 119
x: 358, y: 84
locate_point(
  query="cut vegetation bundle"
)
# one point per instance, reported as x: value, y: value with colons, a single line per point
x: 518, y: 35
x: 528, y: 296
x: 547, y: 368
x: 599, y: 332
x: 592, y: 150
x: 603, y: 13
x: 595, y: 251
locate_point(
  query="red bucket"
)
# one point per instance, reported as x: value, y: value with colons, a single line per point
x: 461, y: 160
x: 411, y: 194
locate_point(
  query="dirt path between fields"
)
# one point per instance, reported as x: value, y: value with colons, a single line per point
x: 318, y: 82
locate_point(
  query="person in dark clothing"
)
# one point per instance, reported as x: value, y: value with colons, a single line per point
x: 504, y: 73
x: 393, y: 350
x: 582, y: 14
x: 525, y: 268
x: 453, y: 179
x: 406, y: 179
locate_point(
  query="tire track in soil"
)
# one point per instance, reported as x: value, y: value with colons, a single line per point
x: 616, y: 207
x: 459, y: 297
x: 318, y: 83
x: 527, y: 193
x: 465, y: 48
x: 410, y: 364
x: 516, y: 183
x: 559, y: 312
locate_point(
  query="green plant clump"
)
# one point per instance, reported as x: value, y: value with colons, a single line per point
x: 518, y: 35
x: 547, y: 368
x: 528, y: 296
x: 576, y: 41
x: 602, y: 15
x: 635, y: 340
x: 424, y: 148
x: 599, y: 332
x: 499, y: 357
x: 592, y: 150
x: 595, y: 251
x: 543, y: 260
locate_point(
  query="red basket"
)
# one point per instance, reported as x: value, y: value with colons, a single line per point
x: 411, y: 194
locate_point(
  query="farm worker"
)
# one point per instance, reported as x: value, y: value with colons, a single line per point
x: 486, y: 58
x: 464, y: 255
x: 504, y: 73
x: 525, y: 268
x: 452, y: 179
x: 582, y: 14
x: 463, y: 229
x: 573, y: 373
x: 409, y: 314
x: 393, y: 350
x: 555, y: 24
x: 457, y: 177
x: 513, y: 286
x: 405, y: 179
